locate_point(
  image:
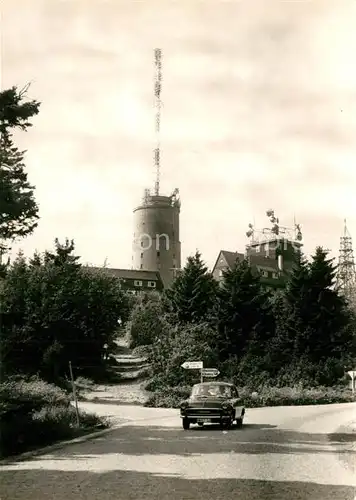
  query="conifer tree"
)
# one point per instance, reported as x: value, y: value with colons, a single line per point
x: 244, y: 314
x: 18, y: 208
x: 193, y: 293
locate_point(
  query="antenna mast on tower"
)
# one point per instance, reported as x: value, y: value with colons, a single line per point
x: 158, y: 80
x: 346, y: 273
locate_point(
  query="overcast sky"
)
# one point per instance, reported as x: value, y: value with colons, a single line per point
x: 259, y: 112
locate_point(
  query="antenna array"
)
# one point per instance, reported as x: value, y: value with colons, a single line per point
x: 157, y: 91
x: 275, y: 232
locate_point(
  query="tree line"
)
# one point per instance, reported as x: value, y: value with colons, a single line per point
x: 302, y: 334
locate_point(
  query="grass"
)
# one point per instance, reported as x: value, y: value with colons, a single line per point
x: 35, y: 414
x: 171, y: 397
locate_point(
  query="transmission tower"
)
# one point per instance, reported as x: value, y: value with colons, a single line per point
x: 346, y: 273
x: 158, y: 104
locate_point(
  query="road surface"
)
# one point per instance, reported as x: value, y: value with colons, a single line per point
x: 286, y: 453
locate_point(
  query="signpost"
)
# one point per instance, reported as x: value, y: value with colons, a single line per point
x: 204, y: 372
x: 210, y: 372
x: 194, y: 365
x: 352, y: 374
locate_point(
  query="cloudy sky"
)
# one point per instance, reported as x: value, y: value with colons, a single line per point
x: 259, y: 112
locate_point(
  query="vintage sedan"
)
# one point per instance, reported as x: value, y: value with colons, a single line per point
x: 212, y: 402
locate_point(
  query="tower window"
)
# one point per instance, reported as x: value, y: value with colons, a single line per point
x: 141, y: 266
x: 141, y: 243
x: 158, y: 253
x: 141, y: 255
x: 174, y: 256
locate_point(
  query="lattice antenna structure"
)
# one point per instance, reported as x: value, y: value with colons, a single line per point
x: 346, y: 272
x: 158, y: 105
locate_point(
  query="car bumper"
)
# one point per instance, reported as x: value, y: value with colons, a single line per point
x: 207, y: 415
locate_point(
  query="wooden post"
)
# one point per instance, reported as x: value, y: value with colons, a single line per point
x: 74, y: 393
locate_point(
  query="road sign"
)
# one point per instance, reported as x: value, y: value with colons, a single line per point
x: 192, y: 365
x: 210, y: 372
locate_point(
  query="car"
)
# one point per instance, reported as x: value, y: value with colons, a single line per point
x: 212, y: 402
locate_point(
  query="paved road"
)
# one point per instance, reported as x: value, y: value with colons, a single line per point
x: 281, y: 454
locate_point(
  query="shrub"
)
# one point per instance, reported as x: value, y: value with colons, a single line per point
x: 34, y: 391
x: 147, y: 320
x: 34, y: 413
x: 293, y: 396
x: 170, y: 397
x: 180, y: 344
x: 142, y: 351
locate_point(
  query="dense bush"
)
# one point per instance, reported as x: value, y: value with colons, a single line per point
x: 171, y: 397
x: 147, y: 320
x: 34, y: 413
x: 189, y: 342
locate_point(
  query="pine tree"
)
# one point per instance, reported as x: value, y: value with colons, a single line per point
x: 63, y: 255
x: 245, y: 319
x: 328, y: 314
x: 193, y: 293
x: 312, y: 338
x: 18, y: 208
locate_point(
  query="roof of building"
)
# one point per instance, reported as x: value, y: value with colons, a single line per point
x: 131, y: 274
x: 230, y: 257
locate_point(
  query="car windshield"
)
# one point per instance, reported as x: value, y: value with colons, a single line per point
x: 214, y: 390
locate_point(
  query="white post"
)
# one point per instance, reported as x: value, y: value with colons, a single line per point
x: 74, y: 393
x: 201, y: 374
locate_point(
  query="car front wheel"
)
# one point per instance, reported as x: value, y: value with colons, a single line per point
x: 186, y: 424
x: 226, y: 424
x: 239, y: 422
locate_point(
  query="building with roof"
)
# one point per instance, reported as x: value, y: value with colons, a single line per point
x: 271, y: 253
x: 135, y: 281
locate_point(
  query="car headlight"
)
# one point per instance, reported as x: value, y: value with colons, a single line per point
x: 226, y: 406
x: 184, y: 405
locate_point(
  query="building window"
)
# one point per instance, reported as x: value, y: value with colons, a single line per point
x: 275, y: 276
x: 265, y: 274
x: 158, y: 253
x: 152, y: 284
x: 137, y: 283
x: 141, y: 266
x: 221, y: 272
x: 257, y: 249
x: 141, y: 255
x: 174, y: 256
